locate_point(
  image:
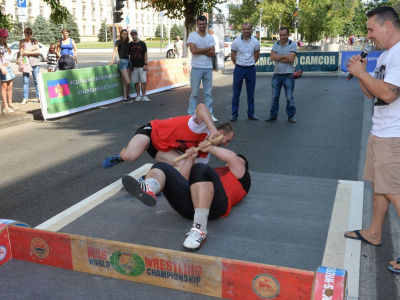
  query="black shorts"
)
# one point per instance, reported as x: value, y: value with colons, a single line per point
x: 146, y: 130
x: 177, y: 189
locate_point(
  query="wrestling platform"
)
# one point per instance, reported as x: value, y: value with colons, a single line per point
x: 283, y: 241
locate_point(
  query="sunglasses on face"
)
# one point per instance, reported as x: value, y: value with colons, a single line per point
x: 28, y: 32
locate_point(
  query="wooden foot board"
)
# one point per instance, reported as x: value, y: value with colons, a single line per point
x: 213, y: 276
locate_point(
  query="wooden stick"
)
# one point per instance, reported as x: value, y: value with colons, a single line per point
x: 198, y: 148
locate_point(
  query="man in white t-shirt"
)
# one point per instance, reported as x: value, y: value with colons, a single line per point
x: 215, y: 58
x: 202, y: 47
x: 382, y: 163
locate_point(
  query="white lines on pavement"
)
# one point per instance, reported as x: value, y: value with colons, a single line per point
x: 340, y: 252
x: 71, y: 214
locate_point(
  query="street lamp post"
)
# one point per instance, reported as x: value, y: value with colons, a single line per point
x: 261, y: 10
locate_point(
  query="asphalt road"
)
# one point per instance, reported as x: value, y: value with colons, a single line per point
x: 46, y: 167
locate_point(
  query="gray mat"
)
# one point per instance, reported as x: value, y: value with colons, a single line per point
x: 283, y: 221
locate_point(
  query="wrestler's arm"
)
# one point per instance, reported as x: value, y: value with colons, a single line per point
x: 235, y: 163
x: 188, y: 162
x: 203, y: 115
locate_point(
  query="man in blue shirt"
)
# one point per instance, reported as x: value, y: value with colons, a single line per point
x: 283, y: 53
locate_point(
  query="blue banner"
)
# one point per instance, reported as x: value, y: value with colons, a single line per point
x: 305, y: 61
x: 372, y: 59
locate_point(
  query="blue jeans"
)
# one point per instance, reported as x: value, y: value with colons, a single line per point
x: 287, y: 80
x: 35, y: 73
x: 249, y: 75
x: 196, y: 76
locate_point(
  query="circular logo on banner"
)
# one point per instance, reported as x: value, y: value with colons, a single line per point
x: 40, y: 248
x: 129, y: 264
x: 265, y: 286
x: 3, y: 252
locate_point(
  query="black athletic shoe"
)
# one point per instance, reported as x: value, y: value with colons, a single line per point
x: 142, y: 191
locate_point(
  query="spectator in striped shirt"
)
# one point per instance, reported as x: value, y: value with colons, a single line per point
x: 52, y: 57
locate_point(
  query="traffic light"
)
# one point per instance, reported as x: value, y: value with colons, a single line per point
x: 117, y: 17
x: 119, y: 4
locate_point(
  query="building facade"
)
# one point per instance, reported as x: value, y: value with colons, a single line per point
x: 89, y: 14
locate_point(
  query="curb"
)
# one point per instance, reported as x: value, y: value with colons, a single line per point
x: 17, y: 118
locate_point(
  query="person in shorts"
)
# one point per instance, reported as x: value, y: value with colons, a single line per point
x: 382, y: 163
x: 6, y: 73
x: 138, y: 60
x: 165, y: 140
x: 122, y: 46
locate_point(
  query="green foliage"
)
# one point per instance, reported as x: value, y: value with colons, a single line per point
x: 272, y: 12
x: 314, y: 18
x: 158, y: 31
x: 6, y: 21
x: 243, y: 13
x: 16, y: 32
x: 183, y: 9
x: 41, y: 30
x: 103, y: 32
x: 58, y: 14
x: 176, y: 30
x: 55, y: 31
x: 317, y: 18
x: 71, y: 25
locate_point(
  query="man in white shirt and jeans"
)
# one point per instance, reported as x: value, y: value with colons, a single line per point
x: 245, y: 51
x: 202, y: 47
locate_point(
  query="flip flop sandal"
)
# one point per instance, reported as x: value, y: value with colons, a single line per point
x: 395, y: 270
x: 361, y: 238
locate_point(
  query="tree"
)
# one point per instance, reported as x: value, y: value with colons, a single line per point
x: 73, y: 28
x: 6, y: 21
x: 183, y: 9
x: 158, y: 31
x: 41, y: 30
x: 314, y: 19
x: 272, y: 12
x: 55, y: 30
x: 176, y: 30
x: 16, y: 33
x: 102, y: 32
x: 58, y: 14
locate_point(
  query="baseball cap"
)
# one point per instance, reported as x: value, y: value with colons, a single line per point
x: 134, y: 31
x: 3, y: 32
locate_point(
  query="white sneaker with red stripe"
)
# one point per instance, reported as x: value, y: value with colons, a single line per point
x: 141, y: 190
x: 196, y: 238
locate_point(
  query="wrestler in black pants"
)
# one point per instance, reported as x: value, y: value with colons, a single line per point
x: 177, y: 189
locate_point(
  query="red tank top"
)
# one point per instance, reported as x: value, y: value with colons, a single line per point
x: 232, y: 186
x: 175, y: 134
